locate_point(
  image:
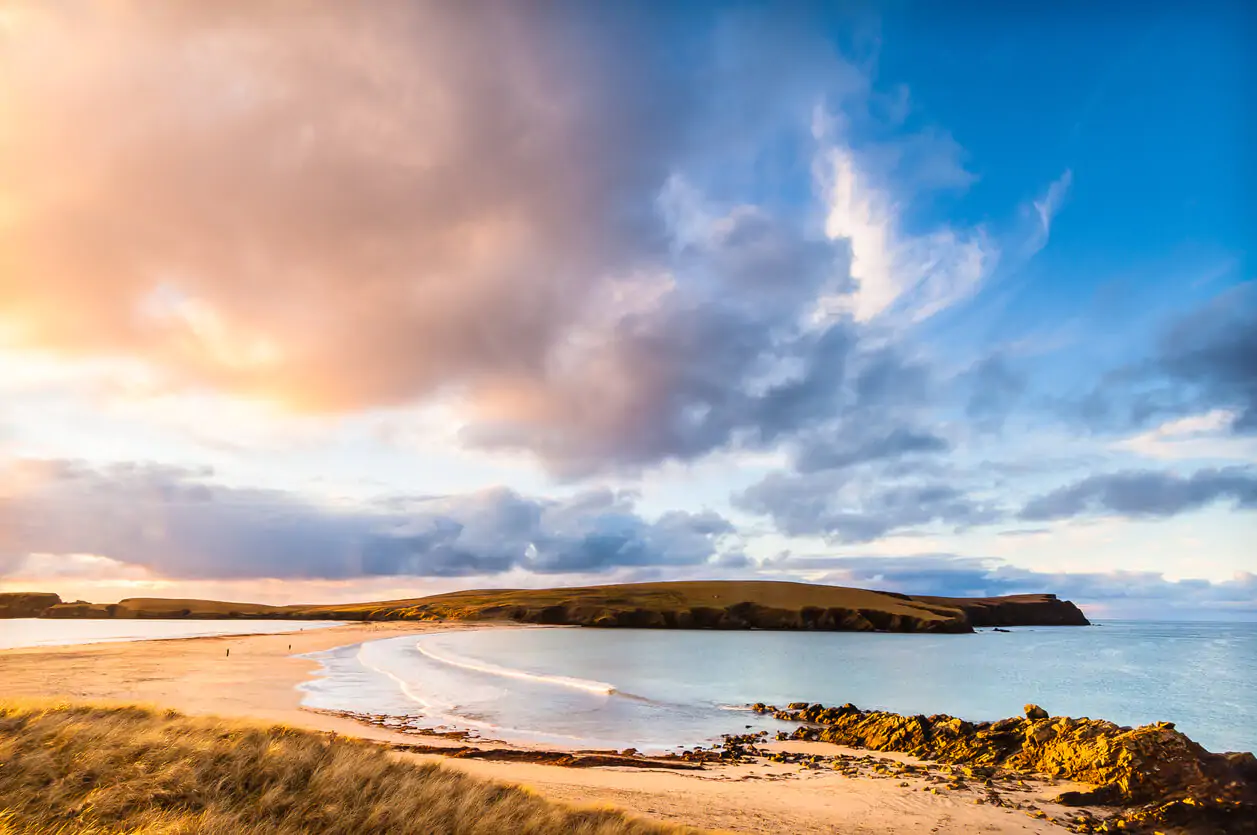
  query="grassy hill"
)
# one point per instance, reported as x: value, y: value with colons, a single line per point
x: 716, y: 604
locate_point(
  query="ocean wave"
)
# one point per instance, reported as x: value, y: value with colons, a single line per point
x: 450, y: 715
x: 401, y: 683
x: 600, y: 688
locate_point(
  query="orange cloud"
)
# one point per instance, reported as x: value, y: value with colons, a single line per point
x: 337, y: 207
x: 330, y: 205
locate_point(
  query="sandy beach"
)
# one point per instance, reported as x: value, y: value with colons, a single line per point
x: 258, y: 680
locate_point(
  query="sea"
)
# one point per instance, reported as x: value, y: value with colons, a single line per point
x: 663, y: 690
x: 39, y: 632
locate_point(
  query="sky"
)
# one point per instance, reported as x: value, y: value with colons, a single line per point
x: 313, y: 302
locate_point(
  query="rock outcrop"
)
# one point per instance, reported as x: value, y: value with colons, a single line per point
x: 1014, y: 610
x: 1156, y: 773
x: 26, y: 604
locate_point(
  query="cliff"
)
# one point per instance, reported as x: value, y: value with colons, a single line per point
x: 680, y: 605
x: 1014, y: 610
x: 25, y: 604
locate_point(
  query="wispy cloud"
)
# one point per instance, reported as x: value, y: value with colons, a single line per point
x: 909, y: 276
x: 1047, y: 207
x: 1198, y: 437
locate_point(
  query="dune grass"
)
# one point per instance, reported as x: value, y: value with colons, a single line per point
x: 77, y: 769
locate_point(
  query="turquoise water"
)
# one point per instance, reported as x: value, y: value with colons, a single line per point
x: 40, y: 632
x: 657, y: 690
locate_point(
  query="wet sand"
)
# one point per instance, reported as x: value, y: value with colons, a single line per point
x: 258, y: 680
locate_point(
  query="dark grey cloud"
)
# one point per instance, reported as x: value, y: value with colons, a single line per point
x: 836, y: 453
x: 873, y: 468
x: 1199, y: 361
x: 889, y: 380
x: 1212, y: 353
x: 1111, y: 593
x: 842, y: 508
x: 1146, y: 493
x: 178, y: 523
x: 718, y: 353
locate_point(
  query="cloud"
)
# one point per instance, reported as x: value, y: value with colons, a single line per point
x: 325, y: 205
x: 1146, y: 493
x: 528, y: 211
x: 995, y: 390
x: 841, y: 507
x: 692, y: 366
x: 871, y: 470
x: 1200, y: 436
x: 1102, y: 593
x: 911, y: 276
x: 1212, y: 354
x: 1201, y: 362
x: 817, y: 455
x: 1046, y: 209
x: 339, y: 208
x: 180, y: 524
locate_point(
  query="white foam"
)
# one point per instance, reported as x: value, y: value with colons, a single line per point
x: 449, y: 715
x: 600, y: 688
x: 401, y: 683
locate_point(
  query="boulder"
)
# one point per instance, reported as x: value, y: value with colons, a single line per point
x: 1035, y: 712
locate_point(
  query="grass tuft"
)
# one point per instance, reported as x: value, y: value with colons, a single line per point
x: 75, y: 769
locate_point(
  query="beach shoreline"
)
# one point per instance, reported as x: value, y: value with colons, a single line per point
x: 258, y: 680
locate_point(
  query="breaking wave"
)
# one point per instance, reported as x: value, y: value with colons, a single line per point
x: 600, y: 688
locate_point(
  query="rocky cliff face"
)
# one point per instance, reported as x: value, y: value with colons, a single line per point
x: 1155, y: 773
x: 79, y: 610
x: 1015, y: 610
x: 737, y: 616
x: 26, y: 604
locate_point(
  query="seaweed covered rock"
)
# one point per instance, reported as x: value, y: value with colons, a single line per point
x: 1173, y: 780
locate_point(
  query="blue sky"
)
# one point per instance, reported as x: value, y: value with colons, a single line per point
x: 409, y: 297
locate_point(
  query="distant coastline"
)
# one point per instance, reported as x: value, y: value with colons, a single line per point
x: 677, y: 605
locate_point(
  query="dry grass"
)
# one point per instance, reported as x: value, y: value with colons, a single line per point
x: 79, y: 769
